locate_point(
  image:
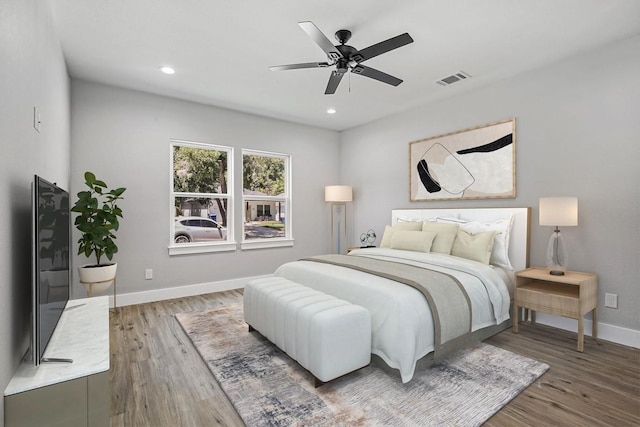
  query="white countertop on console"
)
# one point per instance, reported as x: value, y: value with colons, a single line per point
x: 82, y: 334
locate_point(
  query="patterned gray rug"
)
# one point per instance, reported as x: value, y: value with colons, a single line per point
x: 268, y: 388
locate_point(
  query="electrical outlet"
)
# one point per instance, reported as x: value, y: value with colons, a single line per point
x: 148, y: 274
x: 611, y: 300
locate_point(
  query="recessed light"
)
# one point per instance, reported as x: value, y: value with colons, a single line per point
x: 331, y: 111
x: 167, y: 70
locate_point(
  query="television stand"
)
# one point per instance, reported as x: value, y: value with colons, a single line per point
x: 55, y: 360
x: 66, y: 394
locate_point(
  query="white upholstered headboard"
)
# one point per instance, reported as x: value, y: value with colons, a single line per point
x: 518, y: 244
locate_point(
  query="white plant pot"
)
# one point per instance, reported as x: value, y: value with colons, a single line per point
x: 97, y: 280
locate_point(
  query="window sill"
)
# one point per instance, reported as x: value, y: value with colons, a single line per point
x: 201, y: 248
x: 266, y: 243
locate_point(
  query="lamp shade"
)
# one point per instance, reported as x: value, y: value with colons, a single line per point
x: 558, y: 211
x: 338, y: 193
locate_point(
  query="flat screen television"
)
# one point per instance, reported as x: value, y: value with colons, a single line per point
x: 51, y: 235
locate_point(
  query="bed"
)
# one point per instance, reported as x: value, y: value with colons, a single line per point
x: 403, y: 325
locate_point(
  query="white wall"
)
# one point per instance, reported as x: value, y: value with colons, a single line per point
x: 32, y: 73
x: 123, y: 137
x: 577, y: 134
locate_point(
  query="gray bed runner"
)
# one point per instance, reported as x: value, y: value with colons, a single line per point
x: 449, y: 302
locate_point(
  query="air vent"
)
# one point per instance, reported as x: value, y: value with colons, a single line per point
x: 460, y: 75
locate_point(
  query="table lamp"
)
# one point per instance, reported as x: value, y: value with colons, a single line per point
x: 338, y: 195
x: 558, y: 211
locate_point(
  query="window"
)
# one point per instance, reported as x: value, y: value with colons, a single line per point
x: 201, y: 203
x: 266, y: 193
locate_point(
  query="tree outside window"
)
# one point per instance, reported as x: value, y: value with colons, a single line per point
x: 265, y: 192
x: 200, y: 197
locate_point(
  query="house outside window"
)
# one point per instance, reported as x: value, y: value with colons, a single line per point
x: 266, y: 189
x: 201, y: 202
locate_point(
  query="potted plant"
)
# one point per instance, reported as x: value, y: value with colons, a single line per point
x: 97, y: 220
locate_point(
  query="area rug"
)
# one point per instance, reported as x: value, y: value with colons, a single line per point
x: 268, y: 388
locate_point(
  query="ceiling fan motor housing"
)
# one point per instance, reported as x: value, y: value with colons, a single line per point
x: 343, y: 36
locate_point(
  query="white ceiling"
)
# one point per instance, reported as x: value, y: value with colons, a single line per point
x: 221, y: 49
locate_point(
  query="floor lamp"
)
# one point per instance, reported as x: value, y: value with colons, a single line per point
x: 338, y: 196
x: 558, y: 211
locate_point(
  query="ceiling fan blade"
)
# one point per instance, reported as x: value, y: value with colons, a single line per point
x: 382, y: 47
x: 334, y: 81
x: 376, y: 75
x: 299, y: 66
x: 321, y: 40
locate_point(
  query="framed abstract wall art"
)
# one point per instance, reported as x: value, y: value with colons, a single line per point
x: 475, y: 163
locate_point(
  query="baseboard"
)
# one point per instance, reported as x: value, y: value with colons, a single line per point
x: 617, y: 334
x: 180, y: 291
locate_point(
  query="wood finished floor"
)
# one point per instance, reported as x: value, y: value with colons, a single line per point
x: 158, y: 378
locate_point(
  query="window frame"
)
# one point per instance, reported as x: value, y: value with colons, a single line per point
x: 207, y: 246
x: 273, y: 242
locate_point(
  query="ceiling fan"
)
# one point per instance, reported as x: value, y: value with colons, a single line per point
x: 347, y: 58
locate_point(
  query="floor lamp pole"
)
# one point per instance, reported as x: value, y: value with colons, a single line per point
x: 338, y: 225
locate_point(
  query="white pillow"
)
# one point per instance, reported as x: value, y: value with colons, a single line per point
x: 453, y: 219
x: 405, y: 219
x: 500, y: 252
x: 476, y: 247
x: 446, y: 234
x: 417, y: 241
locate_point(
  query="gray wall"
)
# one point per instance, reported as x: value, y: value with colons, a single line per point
x: 577, y: 134
x: 123, y: 137
x: 32, y: 73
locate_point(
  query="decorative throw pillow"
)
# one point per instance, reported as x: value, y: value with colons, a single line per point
x: 408, y: 225
x: 417, y: 241
x: 389, y: 230
x: 386, y: 237
x: 476, y: 247
x: 500, y: 252
x: 445, y: 235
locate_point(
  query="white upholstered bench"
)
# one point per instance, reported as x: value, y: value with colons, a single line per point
x: 328, y: 336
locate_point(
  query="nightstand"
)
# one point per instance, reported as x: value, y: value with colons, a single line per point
x: 572, y: 295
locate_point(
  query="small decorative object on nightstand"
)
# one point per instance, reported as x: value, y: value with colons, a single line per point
x: 572, y: 295
x: 367, y: 239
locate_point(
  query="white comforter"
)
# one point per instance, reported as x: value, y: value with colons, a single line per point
x: 401, y: 321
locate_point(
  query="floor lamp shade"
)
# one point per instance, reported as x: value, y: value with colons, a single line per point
x: 338, y: 193
x: 338, y: 196
x: 556, y: 212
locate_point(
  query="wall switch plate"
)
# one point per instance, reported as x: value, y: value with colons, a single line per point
x: 148, y: 274
x: 611, y: 300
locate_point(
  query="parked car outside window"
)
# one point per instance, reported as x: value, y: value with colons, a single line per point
x: 193, y: 229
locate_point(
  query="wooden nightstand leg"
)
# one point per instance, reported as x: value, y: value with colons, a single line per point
x: 533, y: 316
x: 581, y: 334
x: 594, y: 326
x: 516, y: 319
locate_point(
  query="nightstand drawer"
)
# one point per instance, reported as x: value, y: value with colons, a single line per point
x: 550, y: 298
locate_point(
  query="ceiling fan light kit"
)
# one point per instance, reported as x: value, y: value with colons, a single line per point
x: 347, y: 58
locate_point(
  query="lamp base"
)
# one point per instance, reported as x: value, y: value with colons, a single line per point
x: 556, y: 254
